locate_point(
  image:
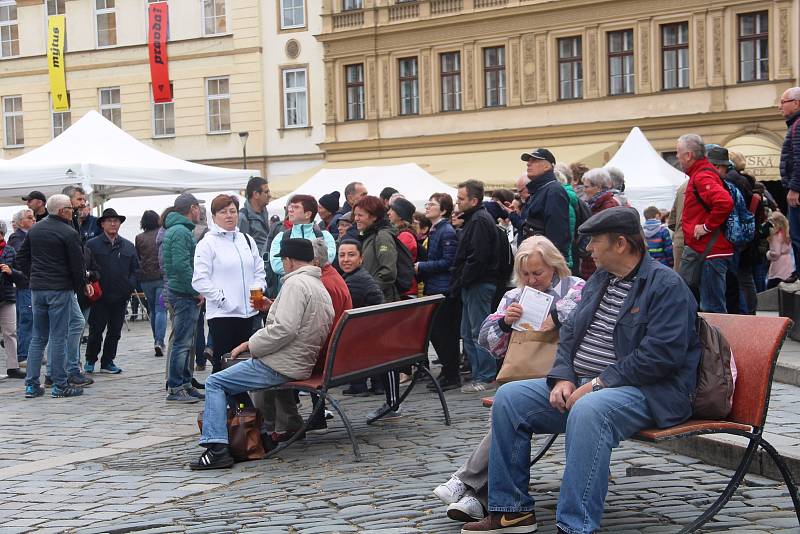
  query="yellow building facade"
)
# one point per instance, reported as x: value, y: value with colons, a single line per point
x: 463, y: 86
x: 215, y: 67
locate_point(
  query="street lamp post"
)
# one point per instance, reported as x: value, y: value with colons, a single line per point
x: 243, y: 138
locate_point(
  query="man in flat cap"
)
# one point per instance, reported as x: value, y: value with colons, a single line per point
x: 286, y: 349
x: 547, y: 209
x: 627, y: 360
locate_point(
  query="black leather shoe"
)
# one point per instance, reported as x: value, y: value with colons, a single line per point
x: 446, y: 384
x: 15, y: 373
x: 197, y: 385
x: 216, y: 456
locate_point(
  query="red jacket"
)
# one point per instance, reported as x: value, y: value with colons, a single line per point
x: 407, y: 238
x: 704, y: 179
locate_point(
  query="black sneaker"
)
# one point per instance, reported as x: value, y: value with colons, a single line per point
x: 159, y: 351
x: 31, y: 392
x: 80, y: 380
x: 197, y: 385
x: 48, y: 382
x: 216, y: 456
x: 58, y: 393
x: 355, y: 392
x: 446, y: 384
x: 15, y: 373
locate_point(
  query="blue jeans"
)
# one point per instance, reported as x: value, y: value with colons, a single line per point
x: 712, y: 284
x: 24, y: 322
x: 74, y: 330
x: 476, y: 306
x: 179, y: 370
x: 595, y: 425
x: 158, y: 314
x: 51, y: 315
x: 244, y: 376
x: 794, y: 231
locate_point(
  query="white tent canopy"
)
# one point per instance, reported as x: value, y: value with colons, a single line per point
x: 104, y: 159
x: 409, y: 179
x: 649, y: 180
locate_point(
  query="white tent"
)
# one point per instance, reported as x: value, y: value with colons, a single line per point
x: 111, y: 163
x: 409, y: 179
x: 649, y: 180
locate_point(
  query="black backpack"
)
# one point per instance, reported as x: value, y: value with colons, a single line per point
x: 505, y: 256
x: 405, y: 266
x: 713, y: 395
x: 582, y: 214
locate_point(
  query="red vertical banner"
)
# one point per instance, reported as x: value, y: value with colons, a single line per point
x: 157, y: 43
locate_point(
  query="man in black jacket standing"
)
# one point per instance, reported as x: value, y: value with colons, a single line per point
x: 475, y: 277
x: 115, y: 257
x: 548, y: 206
x: 51, y: 257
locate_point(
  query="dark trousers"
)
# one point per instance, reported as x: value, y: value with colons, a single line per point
x: 228, y: 333
x: 104, y: 315
x: 445, y: 334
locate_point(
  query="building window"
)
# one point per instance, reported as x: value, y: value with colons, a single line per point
x: 111, y: 105
x: 163, y: 116
x: 451, y: 81
x: 9, y: 31
x: 214, y: 18
x: 494, y: 76
x: 12, y: 121
x: 753, y: 46
x: 409, y: 86
x: 620, y: 63
x: 55, y: 7
x: 347, y: 5
x: 354, y: 85
x: 293, y: 14
x: 61, y: 119
x: 105, y: 13
x: 219, y: 104
x: 570, y: 68
x: 295, y: 98
x: 675, y: 55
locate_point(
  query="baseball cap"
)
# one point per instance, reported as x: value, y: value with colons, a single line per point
x: 539, y: 153
x: 38, y: 195
x: 186, y: 200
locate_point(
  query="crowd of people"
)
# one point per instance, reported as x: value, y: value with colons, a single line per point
x: 625, y: 297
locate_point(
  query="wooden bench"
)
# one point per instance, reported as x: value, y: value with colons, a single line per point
x: 756, y: 344
x: 366, y: 342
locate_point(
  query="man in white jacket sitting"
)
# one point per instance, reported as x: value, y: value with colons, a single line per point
x: 286, y: 348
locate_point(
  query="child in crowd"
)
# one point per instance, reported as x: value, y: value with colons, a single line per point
x: 780, y: 250
x: 659, y: 241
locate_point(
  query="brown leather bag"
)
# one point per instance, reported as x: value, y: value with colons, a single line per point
x: 530, y: 355
x: 244, y: 433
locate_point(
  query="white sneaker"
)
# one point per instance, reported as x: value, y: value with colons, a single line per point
x: 467, y: 509
x: 451, y: 491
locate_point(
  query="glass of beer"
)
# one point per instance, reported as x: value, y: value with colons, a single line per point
x: 256, y: 293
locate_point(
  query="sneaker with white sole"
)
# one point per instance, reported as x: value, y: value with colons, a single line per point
x: 451, y: 491
x: 478, y: 387
x: 467, y: 509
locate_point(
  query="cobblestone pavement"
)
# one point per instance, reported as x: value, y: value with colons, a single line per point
x: 115, y: 460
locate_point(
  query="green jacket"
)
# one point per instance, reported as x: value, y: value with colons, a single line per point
x: 380, y: 257
x: 178, y: 253
x: 573, y: 205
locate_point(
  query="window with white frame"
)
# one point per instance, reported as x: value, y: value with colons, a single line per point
x: 163, y: 116
x: 570, y: 68
x: 409, y: 86
x: 494, y: 76
x: 12, y: 121
x: 451, y: 81
x: 218, y: 98
x: 111, y: 105
x: 214, y: 17
x: 295, y: 98
x: 55, y: 7
x: 348, y: 5
x: 293, y: 14
x: 354, y: 88
x: 105, y: 14
x: 620, y: 62
x: 754, y: 46
x: 9, y: 30
x: 675, y: 56
x: 61, y: 119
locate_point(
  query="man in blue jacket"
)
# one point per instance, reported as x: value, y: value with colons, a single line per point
x: 627, y: 360
x: 547, y: 209
x: 790, y: 166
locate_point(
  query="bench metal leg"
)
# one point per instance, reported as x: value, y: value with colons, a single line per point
x: 787, y: 475
x: 544, y: 448
x: 333, y: 402
x: 727, y: 493
x: 314, y: 412
x: 438, y: 391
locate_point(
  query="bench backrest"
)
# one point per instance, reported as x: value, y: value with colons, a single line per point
x: 371, y: 339
x: 756, y: 342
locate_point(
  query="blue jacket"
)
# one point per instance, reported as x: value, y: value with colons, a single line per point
x: 548, y: 212
x: 790, y: 155
x: 435, y: 272
x: 655, y: 340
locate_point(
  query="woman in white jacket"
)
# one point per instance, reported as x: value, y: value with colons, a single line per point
x: 226, y: 265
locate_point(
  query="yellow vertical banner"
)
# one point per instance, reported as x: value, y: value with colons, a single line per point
x: 55, y: 62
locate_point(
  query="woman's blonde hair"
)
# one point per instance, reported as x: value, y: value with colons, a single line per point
x: 550, y: 255
x: 780, y: 222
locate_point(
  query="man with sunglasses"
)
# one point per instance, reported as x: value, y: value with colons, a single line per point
x: 789, y: 107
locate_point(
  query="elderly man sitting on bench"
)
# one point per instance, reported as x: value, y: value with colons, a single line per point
x: 286, y: 348
x: 627, y: 360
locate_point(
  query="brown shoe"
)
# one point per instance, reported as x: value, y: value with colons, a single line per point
x: 503, y: 523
